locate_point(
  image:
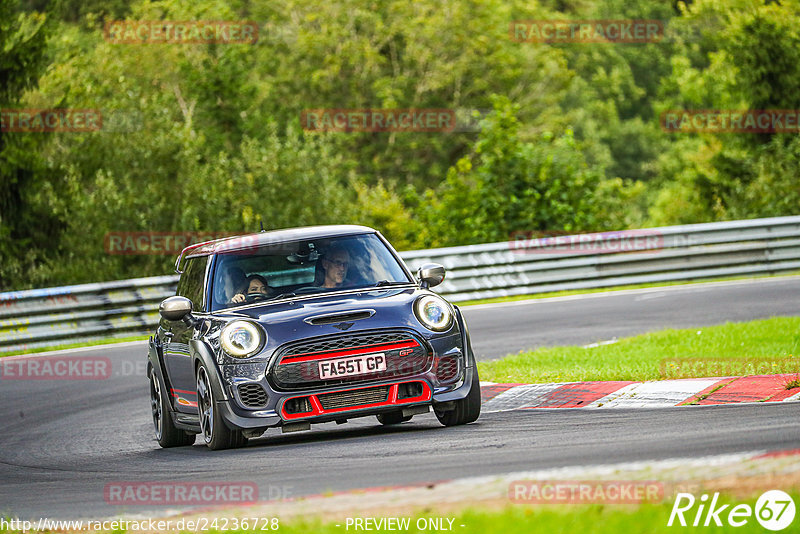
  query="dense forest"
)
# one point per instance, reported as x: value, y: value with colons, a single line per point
x: 564, y: 136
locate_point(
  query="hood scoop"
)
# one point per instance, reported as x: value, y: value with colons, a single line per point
x: 339, y: 317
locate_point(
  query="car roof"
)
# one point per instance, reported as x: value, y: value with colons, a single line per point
x: 258, y: 239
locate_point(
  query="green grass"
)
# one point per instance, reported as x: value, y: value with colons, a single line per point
x: 616, y: 288
x: 792, y: 384
x: 759, y: 347
x: 105, y: 341
x: 563, y: 519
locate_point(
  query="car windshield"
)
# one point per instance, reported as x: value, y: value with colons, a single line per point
x: 289, y: 269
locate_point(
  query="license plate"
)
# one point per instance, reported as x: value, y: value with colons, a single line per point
x: 357, y: 365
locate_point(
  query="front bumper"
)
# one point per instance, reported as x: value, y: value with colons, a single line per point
x: 333, y: 405
x: 353, y: 402
x: 345, y: 401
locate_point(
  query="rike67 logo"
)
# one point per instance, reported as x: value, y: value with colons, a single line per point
x: 774, y: 510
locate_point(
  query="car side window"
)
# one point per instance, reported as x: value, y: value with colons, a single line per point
x: 192, y: 281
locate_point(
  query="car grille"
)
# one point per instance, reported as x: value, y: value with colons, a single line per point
x: 343, y: 342
x: 359, y: 397
x: 413, y: 358
x: 447, y: 368
x: 252, y: 395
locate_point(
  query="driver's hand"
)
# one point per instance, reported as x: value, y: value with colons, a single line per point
x: 238, y: 298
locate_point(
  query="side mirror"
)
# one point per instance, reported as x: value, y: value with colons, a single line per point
x: 431, y: 274
x: 175, y: 308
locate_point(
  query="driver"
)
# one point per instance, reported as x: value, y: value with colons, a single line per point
x: 335, y: 264
x: 256, y: 284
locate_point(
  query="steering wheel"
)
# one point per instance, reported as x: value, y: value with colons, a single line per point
x: 307, y: 289
x: 255, y: 296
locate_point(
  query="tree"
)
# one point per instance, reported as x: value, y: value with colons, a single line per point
x: 508, y: 185
x: 28, y: 230
x: 751, y: 62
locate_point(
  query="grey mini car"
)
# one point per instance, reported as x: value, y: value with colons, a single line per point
x: 307, y: 325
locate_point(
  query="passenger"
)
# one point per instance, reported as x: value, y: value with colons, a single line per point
x: 256, y: 284
x: 234, y: 281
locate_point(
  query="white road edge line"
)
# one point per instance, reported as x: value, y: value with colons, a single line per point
x: 76, y: 349
x: 680, y: 287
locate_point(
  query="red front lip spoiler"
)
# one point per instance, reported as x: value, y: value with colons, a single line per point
x: 392, y: 400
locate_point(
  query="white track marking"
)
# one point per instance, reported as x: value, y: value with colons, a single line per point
x: 654, y: 394
x: 518, y: 397
x: 795, y: 397
x: 599, y: 343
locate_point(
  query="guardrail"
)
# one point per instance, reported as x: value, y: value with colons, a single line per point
x: 53, y: 316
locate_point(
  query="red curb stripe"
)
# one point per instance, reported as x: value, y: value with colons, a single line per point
x: 777, y: 454
x: 757, y: 388
x: 579, y: 395
x: 490, y: 392
x: 771, y: 388
x: 708, y: 390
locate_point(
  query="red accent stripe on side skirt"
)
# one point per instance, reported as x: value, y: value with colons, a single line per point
x: 183, y: 391
x: 578, y: 395
x: 366, y: 349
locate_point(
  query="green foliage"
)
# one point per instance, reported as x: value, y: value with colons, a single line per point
x: 206, y: 137
x: 509, y: 185
x: 753, y: 64
x: 27, y: 230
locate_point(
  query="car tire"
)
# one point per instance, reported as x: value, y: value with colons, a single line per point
x: 216, y: 435
x: 167, y: 434
x: 393, y: 418
x: 467, y: 409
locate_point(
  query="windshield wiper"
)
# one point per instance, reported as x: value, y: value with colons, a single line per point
x: 382, y: 283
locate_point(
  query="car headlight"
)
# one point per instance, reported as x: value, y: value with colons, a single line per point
x: 433, y: 312
x: 241, y: 339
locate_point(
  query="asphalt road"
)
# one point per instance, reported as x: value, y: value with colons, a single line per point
x: 63, y: 441
x: 500, y: 329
